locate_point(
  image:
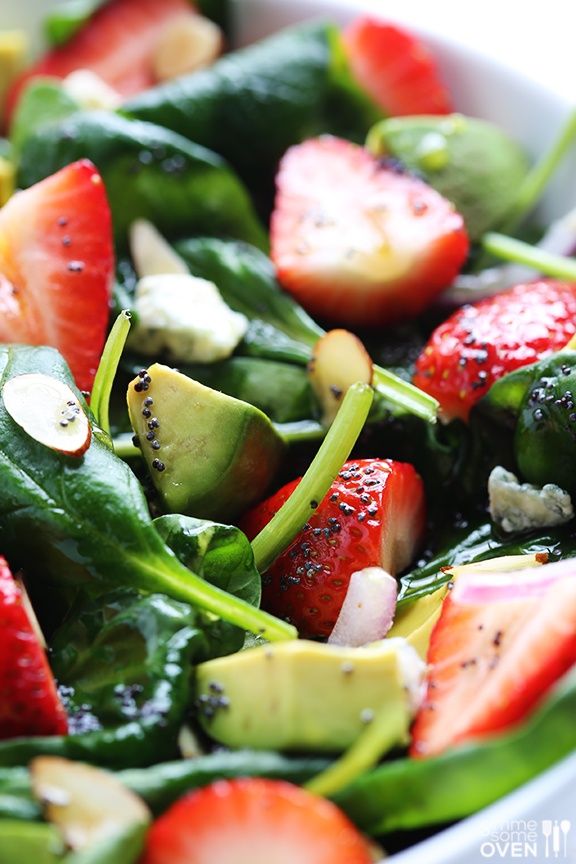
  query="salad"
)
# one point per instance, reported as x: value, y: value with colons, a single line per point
x: 287, y: 413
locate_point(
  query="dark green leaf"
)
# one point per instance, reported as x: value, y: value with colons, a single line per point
x: 161, y: 785
x: 479, y: 543
x: 123, y: 663
x: 43, y: 101
x: 411, y: 793
x: 64, y: 21
x: 279, y: 328
x: 221, y: 554
x: 16, y: 798
x: 149, y: 173
x: 85, y: 520
x: 251, y: 105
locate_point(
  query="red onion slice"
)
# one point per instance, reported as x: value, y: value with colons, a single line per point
x: 368, y: 609
x: 494, y: 587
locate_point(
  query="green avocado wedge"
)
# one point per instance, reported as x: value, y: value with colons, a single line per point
x: 470, y: 162
x: 209, y: 454
x: 310, y: 696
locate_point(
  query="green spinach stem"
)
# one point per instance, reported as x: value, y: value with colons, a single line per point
x: 538, y: 178
x: 405, y: 395
x: 100, y: 398
x: 510, y: 249
x: 316, y: 482
x: 182, y: 584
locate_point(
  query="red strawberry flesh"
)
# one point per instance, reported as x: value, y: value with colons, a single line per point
x: 357, y: 242
x: 395, y: 68
x: 254, y: 821
x: 500, y: 644
x: 482, y: 342
x: 29, y: 703
x: 57, y: 266
x: 116, y: 44
x: 373, y: 515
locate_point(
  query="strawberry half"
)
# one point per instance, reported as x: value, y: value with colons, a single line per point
x: 116, y: 43
x: 57, y: 267
x: 482, y: 342
x: 373, y: 515
x: 502, y: 640
x: 395, y: 68
x: 30, y: 704
x: 357, y: 242
x: 256, y: 820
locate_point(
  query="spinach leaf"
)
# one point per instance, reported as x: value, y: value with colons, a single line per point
x: 16, y: 798
x: 124, y: 664
x: 85, y: 520
x: 65, y: 19
x: 411, y: 793
x: 253, y: 104
x: 478, y: 543
x: 43, y: 101
x: 161, y: 785
x: 221, y: 554
x: 279, y: 328
x: 149, y: 173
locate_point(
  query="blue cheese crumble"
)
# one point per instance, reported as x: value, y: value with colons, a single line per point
x: 186, y: 318
x: 517, y: 507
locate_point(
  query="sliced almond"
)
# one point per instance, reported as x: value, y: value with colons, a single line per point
x: 188, y: 743
x: 49, y: 411
x: 86, y: 803
x: 151, y: 253
x: 339, y: 359
x: 185, y: 44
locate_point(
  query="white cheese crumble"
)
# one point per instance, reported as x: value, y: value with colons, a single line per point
x: 516, y: 506
x: 185, y: 317
x: 90, y: 91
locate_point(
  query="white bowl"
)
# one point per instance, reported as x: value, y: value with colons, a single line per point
x: 520, y: 84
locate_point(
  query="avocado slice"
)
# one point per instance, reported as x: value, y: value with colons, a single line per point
x: 470, y: 162
x: 210, y: 455
x: 416, y: 621
x: 305, y: 695
x: 30, y: 841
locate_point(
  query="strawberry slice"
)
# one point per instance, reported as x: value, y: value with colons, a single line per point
x: 372, y: 516
x: 355, y: 241
x: 395, y: 68
x: 256, y: 820
x: 57, y: 266
x: 117, y: 44
x: 482, y: 342
x: 501, y: 642
x: 30, y: 704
